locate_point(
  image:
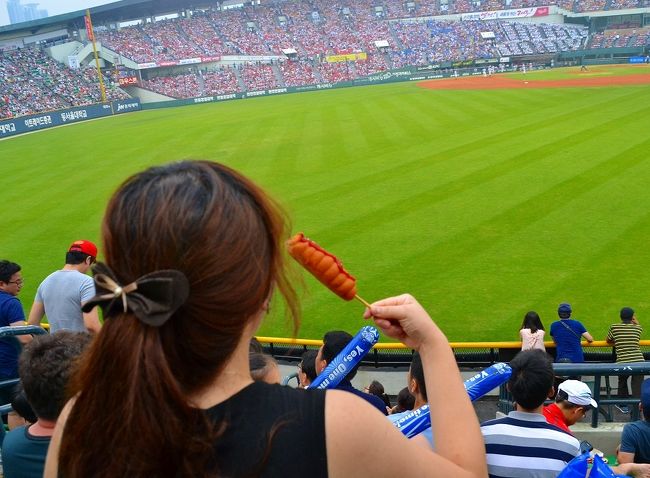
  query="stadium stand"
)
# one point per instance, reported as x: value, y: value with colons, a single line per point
x: 32, y: 82
x: 307, y: 31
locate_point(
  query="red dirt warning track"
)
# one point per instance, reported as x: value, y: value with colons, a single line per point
x: 499, y: 82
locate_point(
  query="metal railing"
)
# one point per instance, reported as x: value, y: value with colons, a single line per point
x: 468, y: 354
x: 10, y: 331
x: 600, y: 373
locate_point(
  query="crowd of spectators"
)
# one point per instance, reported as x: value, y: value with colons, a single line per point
x: 308, y: 32
x: 315, y: 28
x: 298, y: 72
x: 220, y: 82
x: 258, y: 77
x: 620, y: 38
x: 32, y: 82
x: 179, y: 86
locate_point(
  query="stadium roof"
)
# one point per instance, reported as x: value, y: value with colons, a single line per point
x: 122, y: 10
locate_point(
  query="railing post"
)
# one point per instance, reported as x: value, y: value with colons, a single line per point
x: 594, y: 412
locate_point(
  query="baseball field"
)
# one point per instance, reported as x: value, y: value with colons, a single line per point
x: 483, y: 201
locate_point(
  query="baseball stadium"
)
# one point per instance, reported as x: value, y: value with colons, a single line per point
x: 488, y: 157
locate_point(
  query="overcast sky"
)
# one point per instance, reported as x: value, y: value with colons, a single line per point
x: 53, y: 7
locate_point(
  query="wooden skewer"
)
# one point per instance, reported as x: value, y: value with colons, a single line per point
x: 363, y: 301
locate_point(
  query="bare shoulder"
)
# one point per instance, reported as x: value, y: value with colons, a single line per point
x: 363, y: 442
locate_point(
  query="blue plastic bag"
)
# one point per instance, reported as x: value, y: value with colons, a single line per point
x: 577, y: 468
x: 600, y: 470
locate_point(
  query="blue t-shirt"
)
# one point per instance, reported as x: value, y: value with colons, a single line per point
x: 636, y: 439
x: 567, y: 334
x: 10, y: 312
x: 23, y: 455
x: 374, y: 400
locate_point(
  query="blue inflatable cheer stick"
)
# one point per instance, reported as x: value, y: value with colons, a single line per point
x: 349, y: 357
x: 420, y: 419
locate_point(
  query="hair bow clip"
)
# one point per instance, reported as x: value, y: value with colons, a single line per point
x: 153, y: 298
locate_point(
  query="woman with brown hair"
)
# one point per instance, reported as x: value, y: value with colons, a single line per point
x: 193, y: 254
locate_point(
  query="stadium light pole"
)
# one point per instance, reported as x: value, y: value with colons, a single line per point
x: 91, y: 36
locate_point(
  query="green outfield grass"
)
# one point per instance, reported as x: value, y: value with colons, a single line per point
x: 483, y: 204
x: 593, y: 71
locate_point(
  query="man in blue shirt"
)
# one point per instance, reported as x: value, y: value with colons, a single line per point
x: 635, y: 440
x: 11, y: 314
x: 567, y: 335
x: 333, y: 343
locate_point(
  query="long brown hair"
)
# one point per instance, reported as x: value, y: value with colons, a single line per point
x: 132, y: 416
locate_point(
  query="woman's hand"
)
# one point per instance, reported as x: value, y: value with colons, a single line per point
x: 404, y: 319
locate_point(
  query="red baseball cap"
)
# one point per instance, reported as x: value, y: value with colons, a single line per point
x: 86, y: 247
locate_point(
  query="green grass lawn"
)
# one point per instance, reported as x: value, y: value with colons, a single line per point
x: 593, y: 71
x: 483, y: 204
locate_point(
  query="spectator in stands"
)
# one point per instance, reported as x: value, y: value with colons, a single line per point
x: 22, y: 413
x: 572, y: 402
x: 567, y: 334
x: 523, y: 443
x: 333, y: 343
x: 635, y: 439
x: 625, y: 337
x: 62, y: 293
x: 11, y: 314
x: 264, y: 368
x: 307, y: 368
x: 405, y: 401
x: 45, y: 368
x: 193, y: 253
x: 255, y: 346
x: 377, y: 389
x: 532, y: 332
x: 418, y: 390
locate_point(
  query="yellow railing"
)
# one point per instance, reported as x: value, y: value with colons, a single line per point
x: 454, y: 345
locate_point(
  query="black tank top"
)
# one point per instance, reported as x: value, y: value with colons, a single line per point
x: 271, y: 430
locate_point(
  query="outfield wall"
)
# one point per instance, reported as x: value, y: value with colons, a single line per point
x: 25, y: 124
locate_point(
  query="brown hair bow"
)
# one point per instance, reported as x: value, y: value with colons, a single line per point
x: 153, y: 298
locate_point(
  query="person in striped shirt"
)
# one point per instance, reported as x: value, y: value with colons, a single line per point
x: 524, y: 444
x: 625, y: 337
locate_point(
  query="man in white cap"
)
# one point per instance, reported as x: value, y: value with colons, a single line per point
x: 572, y: 402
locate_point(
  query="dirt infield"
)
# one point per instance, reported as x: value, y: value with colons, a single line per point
x: 500, y: 82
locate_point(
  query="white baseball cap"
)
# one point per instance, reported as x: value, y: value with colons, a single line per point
x: 578, y: 393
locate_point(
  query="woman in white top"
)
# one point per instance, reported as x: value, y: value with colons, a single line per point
x: 532, y: 332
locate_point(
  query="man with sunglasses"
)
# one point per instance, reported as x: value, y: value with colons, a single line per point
x: 11, y: 314
x: 62, y: 293
x: 572, y: 402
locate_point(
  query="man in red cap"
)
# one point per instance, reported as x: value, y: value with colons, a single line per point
x: 62, y: 293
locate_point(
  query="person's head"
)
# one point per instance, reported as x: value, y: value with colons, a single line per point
x: 45, y: 367
x: 627, y: 315
x: 22, y: 408
x: 574, y: 398
x: 532, y: 378
x: 82, y: 254
x: 405, y: 401
x: 255, y: 346
x: 264, y: 368
x: 226, y: 237
x: 376, y: 388
x: 307, y: 368
x: 417, y: 385
x: 644, y: 404
x: 532, y: 322
x: 11, y: 281
x: 333, y: 343
x: 564, y: 310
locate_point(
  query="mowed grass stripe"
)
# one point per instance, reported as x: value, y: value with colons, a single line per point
x: 393, y: 227
x: 379, y: 174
